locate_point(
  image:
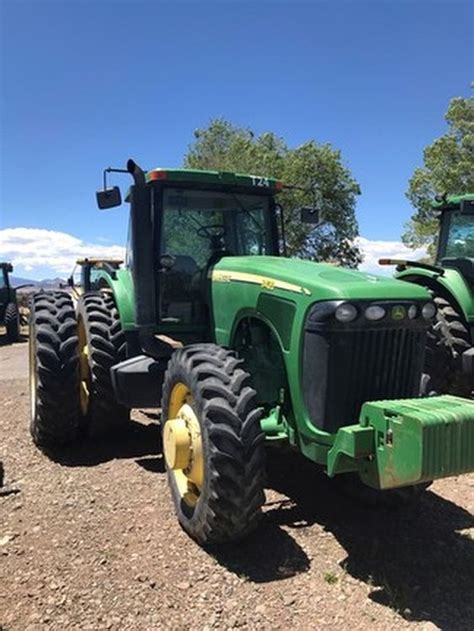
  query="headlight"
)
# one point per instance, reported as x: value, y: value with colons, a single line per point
x: 429, y: 310
x: 375, y: 312
x: 346, y: 313
x: 412, y: 312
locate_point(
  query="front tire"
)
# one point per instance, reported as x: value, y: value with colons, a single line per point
x: 213, y: 444
x: 53, y: 370
x: 12, y: 322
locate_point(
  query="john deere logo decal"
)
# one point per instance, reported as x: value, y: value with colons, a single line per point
x: 398, y: 312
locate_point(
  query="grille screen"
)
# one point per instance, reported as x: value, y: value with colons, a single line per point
x: 343, y: 369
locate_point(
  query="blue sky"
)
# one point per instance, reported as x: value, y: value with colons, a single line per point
x: 87, y: 85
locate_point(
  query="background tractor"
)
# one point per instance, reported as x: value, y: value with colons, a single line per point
x: 9, y: 315
x: 241, y: 346
x: 450, y: 342
x: 85, y: 273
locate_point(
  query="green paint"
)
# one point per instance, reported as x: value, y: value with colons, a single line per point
x: 351, y: 444
x: 122, y: 288
x: 234, y: 301
x: 275, y: 426
x: 452, y: 201
x: 418, y: 440
x: 210, y: 177
x: 451, y: 281
x: 7, y: 292
x: 395, y: 443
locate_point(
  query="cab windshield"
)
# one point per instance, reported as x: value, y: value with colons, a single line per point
x: 198, y: 228
x: 459, y: 241
x: 199, y: 224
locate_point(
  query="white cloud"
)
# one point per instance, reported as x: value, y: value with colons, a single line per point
x: 372, y: 251
x: 37, y: 251
x: 41, y: 253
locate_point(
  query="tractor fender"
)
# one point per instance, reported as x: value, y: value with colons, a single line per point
x: 265, y: 358
x: 122, y: 289
x: 252, y: 314
x: 450, y: 285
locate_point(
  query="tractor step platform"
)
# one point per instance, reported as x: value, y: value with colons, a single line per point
x: 138, y: 381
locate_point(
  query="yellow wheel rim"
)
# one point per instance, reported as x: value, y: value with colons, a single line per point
x: 33, y: 377
x: 84, y: 368
x: 182, y: 445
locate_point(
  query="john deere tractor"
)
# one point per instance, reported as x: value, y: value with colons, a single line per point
x: 450, y: 342
x: 9, y: 315
x: 88, y: 269
x: 241, y: 347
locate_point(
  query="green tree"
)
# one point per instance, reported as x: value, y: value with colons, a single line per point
x: 224, y: 146
x: 448, y: 169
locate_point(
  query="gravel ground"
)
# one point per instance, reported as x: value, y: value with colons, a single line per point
x: 91, y: 542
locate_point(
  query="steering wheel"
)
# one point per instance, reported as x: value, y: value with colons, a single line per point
x: 205, y: 232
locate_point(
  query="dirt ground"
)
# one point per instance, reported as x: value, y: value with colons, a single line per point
x: 91, y: 542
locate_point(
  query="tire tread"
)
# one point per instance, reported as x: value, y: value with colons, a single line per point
x: 221, y: 389
x: 54, y: 333
x: 107, y: 347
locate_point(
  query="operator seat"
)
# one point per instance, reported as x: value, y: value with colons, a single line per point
x: 177, y: 296
x: 185, y: 265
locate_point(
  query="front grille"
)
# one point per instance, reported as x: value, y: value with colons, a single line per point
x: 344, y: 367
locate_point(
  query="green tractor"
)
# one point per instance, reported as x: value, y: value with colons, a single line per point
x: 450, y: 342
x: 9, y: 315
x: 88, y: 269
x: 242, y: 347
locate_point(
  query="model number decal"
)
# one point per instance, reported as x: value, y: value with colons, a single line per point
x: 268, y: 283
x: 255, y: 279
x: 260, y: 181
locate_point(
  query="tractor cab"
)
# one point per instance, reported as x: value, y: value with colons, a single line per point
x: 5, y: 270
x: 450, y: 345
x: 456, y: 237
x: 84, y: 276
x: 197, y: 219
x: 198, y: 227
x: 9, y: 316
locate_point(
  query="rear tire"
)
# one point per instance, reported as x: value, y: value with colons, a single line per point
x: 216, y: 392
x: 12, y: 322
x: 54, y: 370
x: 101, y: 346
x: 447, y: 340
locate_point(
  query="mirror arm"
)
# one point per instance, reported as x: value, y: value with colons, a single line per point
x: 111, y: 170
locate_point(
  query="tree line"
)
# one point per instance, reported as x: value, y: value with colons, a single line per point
x: 448, y: 168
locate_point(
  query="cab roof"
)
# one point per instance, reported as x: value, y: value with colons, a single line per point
x: 452, y: 200
x: 97, y: 260
x: 194, y: 176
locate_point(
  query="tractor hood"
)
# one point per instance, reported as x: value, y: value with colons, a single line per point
x: 320, y: 281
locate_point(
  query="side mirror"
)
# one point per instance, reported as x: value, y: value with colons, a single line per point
x: 310, y: 215
x: 70, y: 281
x: 109, y: 198
x: 467, y: 207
